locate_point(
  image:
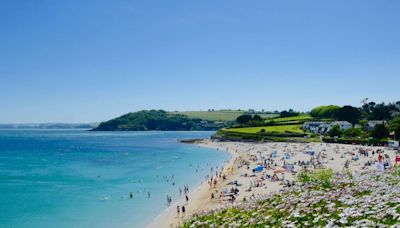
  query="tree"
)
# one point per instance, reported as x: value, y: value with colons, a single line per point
x: 289, y: 113
x: 350, y: 114
x: 257, y: 118
x: 380, y: 131
x: 368, y: 107
x: 244, y: 119
x: 381, y: 112
x: 329, y: 111
x: 395, y: 126
x: 335, y: 131
x: 353, y: 132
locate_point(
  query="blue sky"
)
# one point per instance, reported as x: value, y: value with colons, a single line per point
x: 87, y: 61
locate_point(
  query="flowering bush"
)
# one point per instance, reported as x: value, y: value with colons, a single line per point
x: 366, y: 200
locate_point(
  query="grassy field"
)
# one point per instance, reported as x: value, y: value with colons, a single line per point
x: 275, y: 129
x: 292, y: 119
x: 286, y: 125
x: 219, y: 115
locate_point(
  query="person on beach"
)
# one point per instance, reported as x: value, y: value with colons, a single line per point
x: 380, y: 157
x: 183, y: 211
x: 187, y: 199
x: 178, y: 211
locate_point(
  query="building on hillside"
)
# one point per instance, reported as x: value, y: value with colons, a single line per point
x: 344, y: 125
x: 323, y: 127
x: 372, y: 123
x: 316, y: 127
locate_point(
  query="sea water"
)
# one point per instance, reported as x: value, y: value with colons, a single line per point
x: 78, y: 178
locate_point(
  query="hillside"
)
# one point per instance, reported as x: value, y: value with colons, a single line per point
x: 220, y: 115
x: 274, y: 129
x: 155, y: 120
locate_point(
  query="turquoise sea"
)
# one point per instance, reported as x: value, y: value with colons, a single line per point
x: 77, y: 178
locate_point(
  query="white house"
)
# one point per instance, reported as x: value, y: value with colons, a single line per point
x: 324, y: 127
x: 316, y: 127
x: 344, y: 125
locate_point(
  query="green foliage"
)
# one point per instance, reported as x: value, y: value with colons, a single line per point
x: 150, y: 120
x: 353, y: 132
x: 244, y: 119
x: 257, y: 118
x: 220, y: 115
x: 350, y: 114
x: 296, y: 119
x: 304, y: 177
x: 276, y: 128
x: 395, y: 126
x: 335, y: 131
x: 324, y: 177
x: 329, y: 111
x: 380, y: 131
x: 363, y: 123
x: 382, y: 111
x: 287, y: 129
x: 288, y: 113
x: 320, y: 177
x: 349, y: 174
x: 249, y: 120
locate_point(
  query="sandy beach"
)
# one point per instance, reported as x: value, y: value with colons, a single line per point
x: 280, y: 164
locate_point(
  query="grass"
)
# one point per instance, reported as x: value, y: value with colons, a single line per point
x: 291, y: 119
x: 219, y: 115
x: 268, y: 129
x: 287, y: 129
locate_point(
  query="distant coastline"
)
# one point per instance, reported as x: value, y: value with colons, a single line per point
x: 49, y: 126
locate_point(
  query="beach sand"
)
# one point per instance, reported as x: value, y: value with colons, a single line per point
x: 247, y: 156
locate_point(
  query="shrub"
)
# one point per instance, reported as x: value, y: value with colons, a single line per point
x: 380, y: 131
x: 322, y: 177
x: 335, y: 131
x: 395, y: 126
x: 329, y: 111
x: 353, y: 132
x: 289, y: 113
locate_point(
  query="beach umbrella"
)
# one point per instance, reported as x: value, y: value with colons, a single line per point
x: 258, y: 169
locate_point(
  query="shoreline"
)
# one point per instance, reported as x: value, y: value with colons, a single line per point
x: 168, y: 217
